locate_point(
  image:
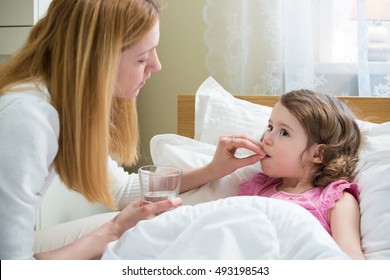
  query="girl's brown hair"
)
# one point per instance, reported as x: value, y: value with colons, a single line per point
x: 74, y: 51
x: 330, y: 123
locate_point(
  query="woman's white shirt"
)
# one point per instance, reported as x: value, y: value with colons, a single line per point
x: 29, y: 130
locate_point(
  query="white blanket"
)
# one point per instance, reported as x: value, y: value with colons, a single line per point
x: 233, y: 228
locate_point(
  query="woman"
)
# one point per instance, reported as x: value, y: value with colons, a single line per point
x: 67, y: 107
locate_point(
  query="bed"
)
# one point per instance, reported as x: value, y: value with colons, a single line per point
x: 215, y: 223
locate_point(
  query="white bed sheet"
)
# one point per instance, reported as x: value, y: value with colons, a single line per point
x: 236, y: 228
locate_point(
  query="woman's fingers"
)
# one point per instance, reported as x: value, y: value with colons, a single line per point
x: 155, y: 208
x: 234, y: 142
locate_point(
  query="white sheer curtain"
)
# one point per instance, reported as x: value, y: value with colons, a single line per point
x: 274, y: 46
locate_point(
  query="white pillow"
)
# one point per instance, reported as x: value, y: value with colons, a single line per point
x: 376, y: 137
x: 373, y: 178
x: 218, y: 113
x: 374, y: 187
x: 188, y: 153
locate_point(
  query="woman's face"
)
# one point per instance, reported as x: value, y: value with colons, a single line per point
x: 137, y: 63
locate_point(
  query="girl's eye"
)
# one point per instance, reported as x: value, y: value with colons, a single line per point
x: 284, y: 132
x: 269, y: 128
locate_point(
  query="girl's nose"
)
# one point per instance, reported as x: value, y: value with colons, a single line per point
x: 267, y: 140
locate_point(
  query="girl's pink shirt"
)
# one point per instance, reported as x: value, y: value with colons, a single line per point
x: 317, y: 200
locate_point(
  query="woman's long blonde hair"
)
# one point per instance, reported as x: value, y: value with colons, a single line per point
x: 75, y: 50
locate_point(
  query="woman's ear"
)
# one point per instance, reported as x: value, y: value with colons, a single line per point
x: 316, y: 153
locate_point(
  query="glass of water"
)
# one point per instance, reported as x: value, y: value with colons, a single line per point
x: 159, y: 182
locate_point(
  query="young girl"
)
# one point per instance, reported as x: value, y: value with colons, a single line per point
x: 67, y: 108
x: 311, y: 145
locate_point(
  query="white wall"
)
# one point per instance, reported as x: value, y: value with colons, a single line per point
x: 182, y: 53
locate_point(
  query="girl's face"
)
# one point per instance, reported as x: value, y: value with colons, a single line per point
x: 285, y: 144
x: 137, y: 63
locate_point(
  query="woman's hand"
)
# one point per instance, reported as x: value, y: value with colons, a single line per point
x: 225, y: 161
x: 141, y: 210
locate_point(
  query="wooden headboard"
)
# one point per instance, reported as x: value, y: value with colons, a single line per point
x: 372, y: 109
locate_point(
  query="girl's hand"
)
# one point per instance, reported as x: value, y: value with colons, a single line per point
x: 225, y: 161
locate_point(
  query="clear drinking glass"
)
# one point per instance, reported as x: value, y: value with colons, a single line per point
x: 159, y: 182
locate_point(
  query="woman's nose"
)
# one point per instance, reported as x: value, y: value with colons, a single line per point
x: 155, y: 64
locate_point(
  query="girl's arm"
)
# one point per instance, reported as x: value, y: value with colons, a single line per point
x: 224, y: 161
x: 345, y: 225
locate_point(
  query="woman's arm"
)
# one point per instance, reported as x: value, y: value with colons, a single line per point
x: 224, y: 161
x: 345, y: 225
x: 92, y: 245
